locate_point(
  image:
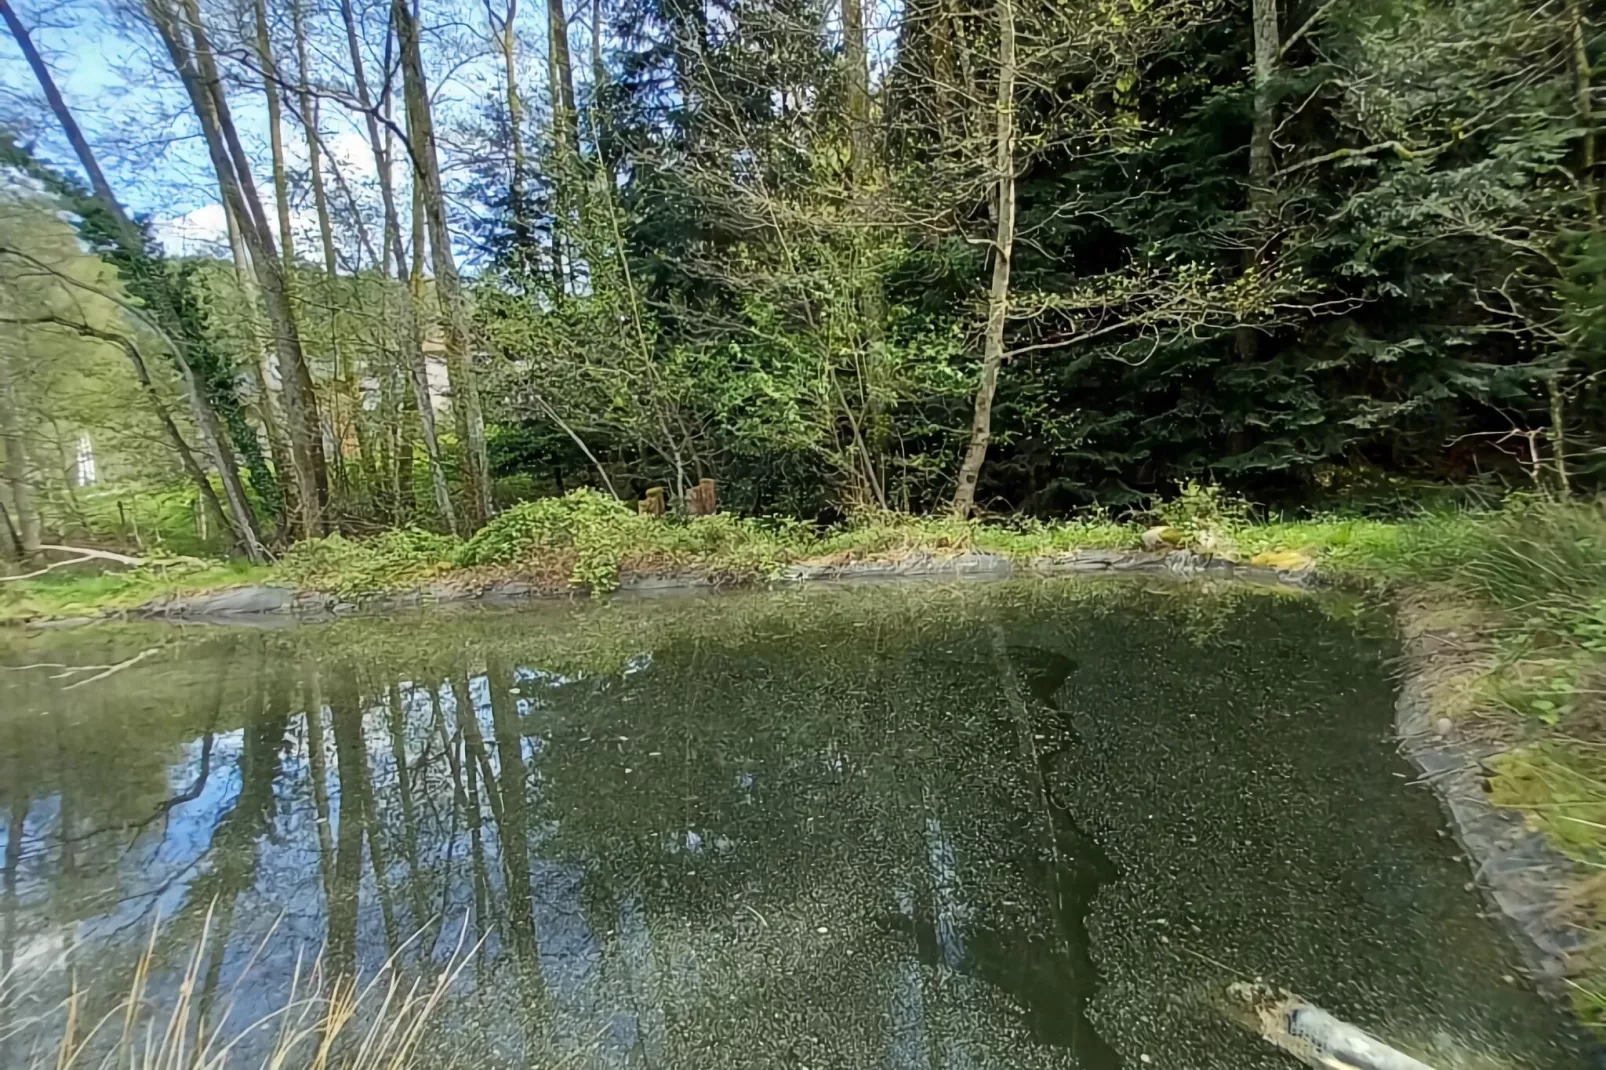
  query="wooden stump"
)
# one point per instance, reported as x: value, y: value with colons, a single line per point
x: 653, y: 503
x: 702, y: 501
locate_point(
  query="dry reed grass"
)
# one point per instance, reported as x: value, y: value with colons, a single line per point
x: 324, y: 1021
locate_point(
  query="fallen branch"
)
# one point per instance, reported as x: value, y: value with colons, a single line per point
x: 119, y: 667
x: 1310, y: 1034
x: 86, y: 553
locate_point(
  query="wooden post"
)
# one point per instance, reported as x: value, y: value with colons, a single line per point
x: 653, y: 503
x: 703, y: 502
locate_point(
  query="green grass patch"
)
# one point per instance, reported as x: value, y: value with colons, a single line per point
x: 58, y: 595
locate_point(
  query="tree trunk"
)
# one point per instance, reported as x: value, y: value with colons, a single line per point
x: 448, y: 287
x: 192, y: 59
x: 308, y: 105
x: 419, y: 368
x: 270, y: 408
x: 348, y: 410
x: 412, y: 340
x: 134, y: 245
x: 599, y: 70
x: 13, y: 537
x: 271, y: 87
x: 856, y: 57
x: 86, y: 157
x: 16, y: 464
x: 1262, y: 165
x: 1583, y: 77
x: 565, y: 121
x: 1267, y: 45
x: 517, y: 193
x: 1003, y: 249
x: 565, y: 140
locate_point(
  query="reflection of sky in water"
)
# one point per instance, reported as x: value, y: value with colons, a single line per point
x: 724, y: 867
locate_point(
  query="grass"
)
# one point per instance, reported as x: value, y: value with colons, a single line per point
x: 587, y: 540
x: 63, y: 594
x: 324, y: 1021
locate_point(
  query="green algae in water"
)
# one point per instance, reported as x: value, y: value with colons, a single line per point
x: 1004, y: 825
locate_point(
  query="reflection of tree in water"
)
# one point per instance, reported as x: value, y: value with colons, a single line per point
x: 824, y: 831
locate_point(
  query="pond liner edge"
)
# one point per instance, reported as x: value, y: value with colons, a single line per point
x: 1521, y: 877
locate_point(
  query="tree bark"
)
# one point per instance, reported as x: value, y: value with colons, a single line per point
x: 565, y: 120
x: 1003, y: 249
x: 75, y: 136
x: 13, y: 537
x: 856, y: 57
x: 192, y: 59
x: 1262, y: 162
x: 448, y: 287
x: 419, y: 368
x: 270, y: 406
x: 271, y: 87
x: 599, y: 70
x: 16, y: 464
x: 502, y: 30
x: 1267, y: 46
x: 565, y: 139
x: 308, y: 106
x: 1583, y: 77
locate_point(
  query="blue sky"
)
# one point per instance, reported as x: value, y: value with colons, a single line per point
x: 120, y: 88
x: 147, y: 142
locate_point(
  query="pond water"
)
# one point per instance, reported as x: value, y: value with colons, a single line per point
x: 1003, y: 825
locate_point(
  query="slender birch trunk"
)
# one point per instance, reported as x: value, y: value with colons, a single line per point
x: 964, y: 502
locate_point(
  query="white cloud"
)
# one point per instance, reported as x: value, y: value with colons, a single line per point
x: 197, y: 232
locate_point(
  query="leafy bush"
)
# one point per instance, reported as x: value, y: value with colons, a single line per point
x: 597, y: 529
x: 1209, y: 518
x: 388, y: 561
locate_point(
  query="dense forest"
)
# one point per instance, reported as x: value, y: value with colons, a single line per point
x: 940, y: 255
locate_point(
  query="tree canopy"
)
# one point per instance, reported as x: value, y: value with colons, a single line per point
x: 939, y: 255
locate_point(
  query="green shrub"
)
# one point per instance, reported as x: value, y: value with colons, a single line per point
x: 1209, y: 518
x: 597, y: 529
x: 388, y: 561
x: 548, y: 524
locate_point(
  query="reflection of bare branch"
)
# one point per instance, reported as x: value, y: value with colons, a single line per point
x: 119, y: 667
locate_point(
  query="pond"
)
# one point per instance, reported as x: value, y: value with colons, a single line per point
x: 1015, y: 824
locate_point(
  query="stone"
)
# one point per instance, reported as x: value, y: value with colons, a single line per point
x: 1162, y: 537
x: 257, y: 598
x: 1283, y: 560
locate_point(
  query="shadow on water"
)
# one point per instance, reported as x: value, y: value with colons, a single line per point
x: 925, y: 828
x: 1057, y: 986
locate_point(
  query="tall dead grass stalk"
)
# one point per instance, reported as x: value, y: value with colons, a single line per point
x: 324, y: 1022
